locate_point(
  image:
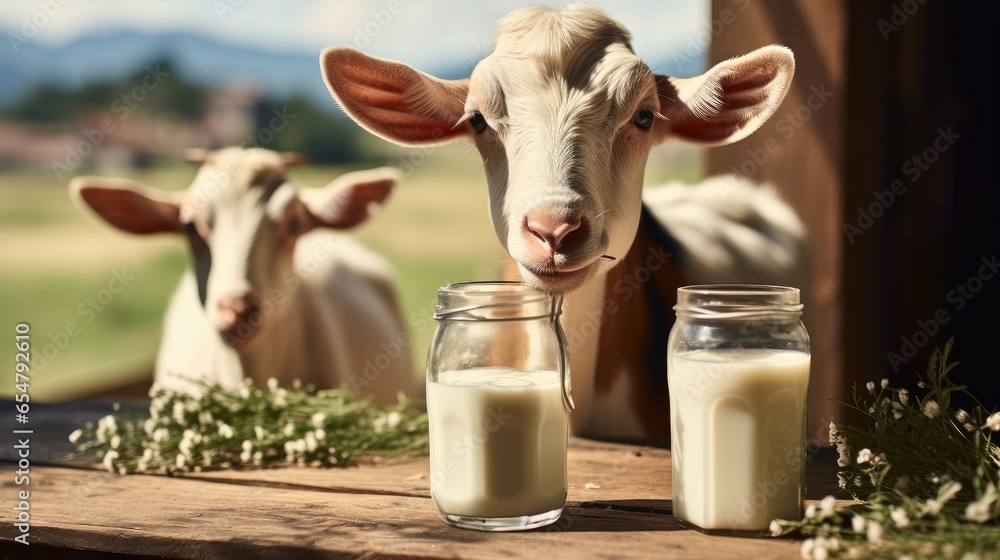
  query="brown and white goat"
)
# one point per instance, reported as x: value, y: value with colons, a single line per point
x: 274, y: 291
x: 564, y: 115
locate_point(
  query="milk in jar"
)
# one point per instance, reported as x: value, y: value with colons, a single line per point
x: 498, y: 442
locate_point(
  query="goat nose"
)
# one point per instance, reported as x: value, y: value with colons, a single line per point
x: 554, y: 231
x: 234, y: 308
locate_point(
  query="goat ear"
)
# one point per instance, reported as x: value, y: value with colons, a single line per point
x: 349, y: 199
x: 394, y: 101
x: 730, y: 101
x: 128, y: 205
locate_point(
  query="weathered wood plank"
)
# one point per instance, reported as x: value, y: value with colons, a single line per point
x: 187, y: 518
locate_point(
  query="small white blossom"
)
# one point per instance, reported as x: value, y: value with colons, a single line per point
x: 178, y: 413
x: 899, y: 517
x: 904, y: 396
x: 320, y: 434
x: 932, y: 409
x: 116, y: 442
x: 272, y: 384
x: 875, y: 532
x: 961, y: 416
x: 147, y: 455
x: 310, y: 439
x: 257, y: 457
x: 969, y: 427
x: 74, y: 436
x: 945, y: 493
x: 181, y: 460
x: 864, y: 456
x: 205, y: 418
x: 259, y: 432
x: 993, y: 422
x: 858, y: 523
x: 774, y: 527
x: 394, y: 418
x: 185, y: 446
x: 980, y: 510
x: 244, y: 392
x: 149, y: 426
x: 160, y: 434
x: 827, y: 504
x: 807, y: 548
x: 247, y: 445
x: 245, y: 456
x: 810, y: 511
x: 871, y: 387
x: 885, y: 383
x: 318, y: 420
x: 841, y: 481
x: 280, y: 398
x: 225, y: 430
x: 109, y: 460
x: 845, y: 454
x: 289, y: 429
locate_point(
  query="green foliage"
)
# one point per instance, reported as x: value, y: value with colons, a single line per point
x: 923, y: 476
x: 253, y: 427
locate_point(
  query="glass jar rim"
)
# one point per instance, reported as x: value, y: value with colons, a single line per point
x: 731, y: 301
x: 494, y: 300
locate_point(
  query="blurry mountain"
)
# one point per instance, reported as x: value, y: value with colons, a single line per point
x: 200, y: 60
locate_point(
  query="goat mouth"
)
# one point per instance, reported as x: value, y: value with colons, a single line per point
x: 554, y: 280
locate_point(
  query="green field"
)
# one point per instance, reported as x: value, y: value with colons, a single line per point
x: 56, y: 263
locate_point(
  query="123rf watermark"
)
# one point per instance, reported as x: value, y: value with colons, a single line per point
x: 22, y: 435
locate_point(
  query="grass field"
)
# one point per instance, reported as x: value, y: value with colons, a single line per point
x: 56, y: 263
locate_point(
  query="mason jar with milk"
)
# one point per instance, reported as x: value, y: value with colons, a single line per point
x: 738, y: 373
x: 498, y: 402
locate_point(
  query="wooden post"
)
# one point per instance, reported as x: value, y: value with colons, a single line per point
x: 799, y: 152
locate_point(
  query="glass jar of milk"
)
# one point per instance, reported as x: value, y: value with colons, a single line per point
x: 498, y: 405
x: 738, y: 374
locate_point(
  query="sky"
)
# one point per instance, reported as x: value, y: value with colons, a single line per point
x: 421, y: 32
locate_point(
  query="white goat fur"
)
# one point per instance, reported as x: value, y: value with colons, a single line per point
x: 555, y: 113
x: 326, y: 305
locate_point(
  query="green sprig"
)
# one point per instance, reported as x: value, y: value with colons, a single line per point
x: 923, y: 476
x: 252, y: 427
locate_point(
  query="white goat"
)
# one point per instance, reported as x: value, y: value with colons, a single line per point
x: 564, y: 115
x: 264, y: 299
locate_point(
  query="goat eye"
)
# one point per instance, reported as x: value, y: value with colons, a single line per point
x: 643, y: 118
x: 478, y: 121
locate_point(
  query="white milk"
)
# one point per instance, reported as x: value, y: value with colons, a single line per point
x: 738, y: 436
x: 497, y: 442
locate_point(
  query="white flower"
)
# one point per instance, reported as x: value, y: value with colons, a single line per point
x: 945, y: 493
x: 259, y: 432
x: 904, y: 396
x: 875, y: 532
x: 871, y: 387
x: 827, y: 504
x: 885, y: 383
x: 109, y: 460
x: 181, y: 459
x: 247, y: 445
x: 206, y: 458
x: 310, y: 442
x: 864, y: 456
x: 280, y: 398
x: 845, y: 454
x: 245, y: 456
x: 244, y: 392
x: 160, y: 434
x: 178, y: 413
x: 810, y: 511
x: 858, y: 523
x: 185, y: 446
x: 205, y: 418
x: 257, y: 456
x: 225, y: 430
x: 394, y: 418
x: 841, y: 481
x: 116, y: 442
x: 932, y: 409
x: 320, y: 434
x: 272, y: 384
x: 289, y: 429
x: 980, y: 510
x: 147, y: 455
x: 807, y: 548
x: 148, y: 426
x: 961, y: 416
x: 899, y: 517
x: 318, y: 419
x: 993, y: 422
x: 774, y: 527
x: 74, y: 436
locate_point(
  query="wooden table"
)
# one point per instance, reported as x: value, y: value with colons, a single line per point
x: 618, y: 507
